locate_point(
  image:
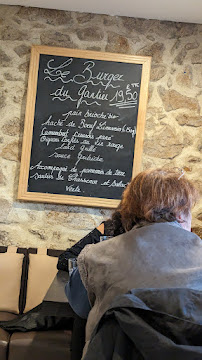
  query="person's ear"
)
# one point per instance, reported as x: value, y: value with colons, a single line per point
x: 179, y: 217
x: 184, y: 220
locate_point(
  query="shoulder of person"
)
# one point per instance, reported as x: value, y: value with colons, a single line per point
x: 101, y: 228
x: 85, y: 253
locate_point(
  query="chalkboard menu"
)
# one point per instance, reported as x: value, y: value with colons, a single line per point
x: 84, y: 126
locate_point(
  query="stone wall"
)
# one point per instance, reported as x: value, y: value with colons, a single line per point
x: 174, y: 123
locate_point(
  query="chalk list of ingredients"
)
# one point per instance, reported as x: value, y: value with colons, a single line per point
x: 84, y: 127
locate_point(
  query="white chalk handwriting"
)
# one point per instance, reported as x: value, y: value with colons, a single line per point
x: 62, y: 72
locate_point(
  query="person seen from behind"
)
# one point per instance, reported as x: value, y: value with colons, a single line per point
x: 159, y: 251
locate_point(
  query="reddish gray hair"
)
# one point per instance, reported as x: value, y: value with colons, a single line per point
x: 156, y: 195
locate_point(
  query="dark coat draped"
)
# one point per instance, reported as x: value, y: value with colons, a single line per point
x: 150, y: 324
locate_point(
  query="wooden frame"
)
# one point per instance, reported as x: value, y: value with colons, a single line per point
x: 23, y: 193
